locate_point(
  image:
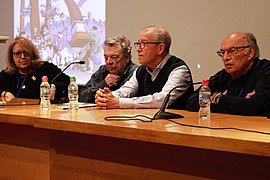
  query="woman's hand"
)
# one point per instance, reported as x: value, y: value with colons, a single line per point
x: 53, y: 91
x: 7, y: 96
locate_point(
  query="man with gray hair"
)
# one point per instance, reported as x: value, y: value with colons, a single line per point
x: 243, y: 86
x: 117, y: 70
x: 158, y: 74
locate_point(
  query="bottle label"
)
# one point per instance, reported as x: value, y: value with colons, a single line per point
x: 73, y: 97
x: 73, y: 91
x: 204, y: 98
x: 45, y: 92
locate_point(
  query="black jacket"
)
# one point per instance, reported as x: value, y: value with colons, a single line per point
x: 257, y: 78
x: 87, y: 93
x: 29, y: 86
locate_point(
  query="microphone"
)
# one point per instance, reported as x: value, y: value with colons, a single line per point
x: 76, y: 62
x: 162, y: 114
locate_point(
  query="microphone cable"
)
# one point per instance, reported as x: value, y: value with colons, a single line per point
x: 149, y: 119
x: 220, y: 128
x: 129, y: 118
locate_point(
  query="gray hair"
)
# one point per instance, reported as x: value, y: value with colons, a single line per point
x: 119, y: 40
x: 253, y: 42
x: 160, y: 34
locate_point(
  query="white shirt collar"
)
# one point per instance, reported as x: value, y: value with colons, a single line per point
x: 156, y: 71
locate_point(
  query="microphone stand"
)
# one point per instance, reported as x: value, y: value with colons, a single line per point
x: 162, y: 114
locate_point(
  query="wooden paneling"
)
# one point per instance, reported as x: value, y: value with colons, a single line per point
x: 82, y: 145
x: 24, y: 152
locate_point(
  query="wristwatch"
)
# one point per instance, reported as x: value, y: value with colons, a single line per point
x: 218, y: 98
x: 215, y: 98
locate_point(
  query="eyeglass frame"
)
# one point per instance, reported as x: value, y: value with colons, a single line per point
x: 231, y: 50
x: 18, y: 54
x: 142, y: 44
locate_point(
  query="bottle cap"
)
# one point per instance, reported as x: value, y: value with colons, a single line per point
x: 44, y: 78
x: 72, y: 79
x: 205, y: 82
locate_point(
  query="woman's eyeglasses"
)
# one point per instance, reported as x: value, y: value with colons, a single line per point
x: 19, y: 54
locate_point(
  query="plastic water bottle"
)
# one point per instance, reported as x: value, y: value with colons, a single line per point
x: 73, y: 94
x: 45, y: 93
x: 205, y: 101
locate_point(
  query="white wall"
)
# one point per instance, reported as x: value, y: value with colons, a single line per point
x: 196, y: 26
x: 6, y: 27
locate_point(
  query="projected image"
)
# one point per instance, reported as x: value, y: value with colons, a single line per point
x: 64, y: 31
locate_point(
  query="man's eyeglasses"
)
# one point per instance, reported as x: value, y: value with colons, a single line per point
x: 231, y: 51
x: 19, y: 54
x: 142, y: 44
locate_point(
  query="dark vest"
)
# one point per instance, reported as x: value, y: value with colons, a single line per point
x: 147, y: 86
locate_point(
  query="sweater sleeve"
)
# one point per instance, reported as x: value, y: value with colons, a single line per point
x: 87, y: 93
x: 258, y: 104
x: 193, y: 101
